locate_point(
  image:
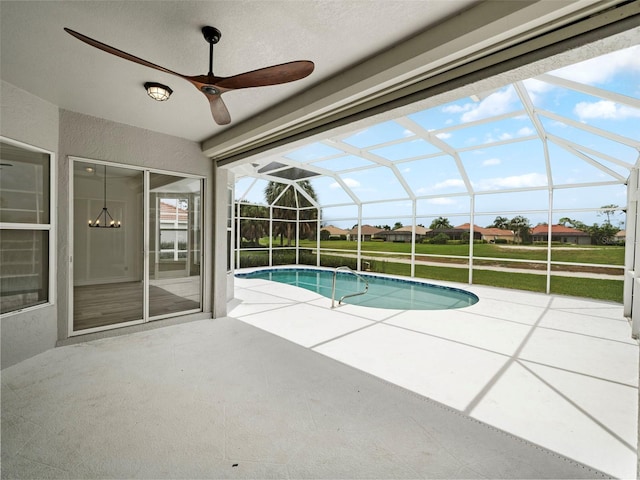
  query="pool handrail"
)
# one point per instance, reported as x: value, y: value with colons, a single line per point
x: 333, y: 288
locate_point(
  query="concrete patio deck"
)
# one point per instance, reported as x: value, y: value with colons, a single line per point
x: 518, y: 386
x: 561, y: 372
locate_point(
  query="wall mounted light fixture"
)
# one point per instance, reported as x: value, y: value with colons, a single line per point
x: 157, y: 91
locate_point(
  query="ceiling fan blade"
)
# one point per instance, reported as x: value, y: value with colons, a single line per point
x: 119, y: 53
x: 274, y: 75
x: 219, y: 110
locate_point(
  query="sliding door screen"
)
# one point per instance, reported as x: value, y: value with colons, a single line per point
x: 175, y: 231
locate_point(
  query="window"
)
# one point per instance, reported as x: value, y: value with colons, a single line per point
x: 25, y: 226
x: 174, y: 227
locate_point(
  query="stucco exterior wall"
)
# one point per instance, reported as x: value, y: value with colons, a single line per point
x: 98, y: 139
x: 28, y: 119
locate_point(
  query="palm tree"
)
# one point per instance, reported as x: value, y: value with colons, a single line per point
x: 521, y: 227
x: 251, y: 227
x: 440, y: 223
x: 287, y: 196
x: 500, y: 222
x: 609, y: 211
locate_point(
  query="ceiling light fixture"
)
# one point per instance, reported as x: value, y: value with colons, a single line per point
x: 157, y: 91
x: 108, y: 222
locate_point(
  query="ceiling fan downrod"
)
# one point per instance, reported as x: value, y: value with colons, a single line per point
x: 212, y: 36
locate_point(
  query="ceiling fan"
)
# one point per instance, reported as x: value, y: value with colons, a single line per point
x: 210, y: 85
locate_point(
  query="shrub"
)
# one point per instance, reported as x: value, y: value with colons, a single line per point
x: 440, y: 239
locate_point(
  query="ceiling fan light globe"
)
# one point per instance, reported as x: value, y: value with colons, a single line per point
x: 157, y: 91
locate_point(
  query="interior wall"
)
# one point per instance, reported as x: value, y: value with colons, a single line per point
x: 90, y: 245
x: 98, y: 139
x: 31, y: 120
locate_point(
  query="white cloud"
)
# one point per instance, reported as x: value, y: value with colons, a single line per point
x: 350, y: 182
x: 515, y: 181
x: 601, y: 69
x: 457, y: 108
x: 406, y: 170
x: 605, y: 109
x: 451, y: 182
x: 524, y: 131
x: 407, y: 133
x: 443, y: 135
x: 505, y: 136
x: 536, y: 88
x: 490, y: 162
x: 495, y: 104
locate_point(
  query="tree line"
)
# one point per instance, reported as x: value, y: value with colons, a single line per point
x: 286, y: 200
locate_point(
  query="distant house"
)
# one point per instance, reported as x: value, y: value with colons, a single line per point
x: 493, y: 235
x: 366, y: 233
x: 335, y: 232
x: 621, y: 237
x: 403, y: 234
x: 560, y: 234
x: 460, y: 232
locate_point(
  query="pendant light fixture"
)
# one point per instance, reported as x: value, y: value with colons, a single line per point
x: 104, y: 215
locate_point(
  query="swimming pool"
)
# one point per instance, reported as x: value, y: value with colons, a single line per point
x: 384, y: 292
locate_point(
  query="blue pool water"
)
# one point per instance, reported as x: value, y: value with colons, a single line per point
x: 384, y: 292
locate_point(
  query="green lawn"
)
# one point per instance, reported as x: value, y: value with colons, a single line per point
x: 574, y: 286
x: 608, y: 255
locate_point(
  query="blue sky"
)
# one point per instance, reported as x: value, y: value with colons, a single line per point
x: 462, y: 149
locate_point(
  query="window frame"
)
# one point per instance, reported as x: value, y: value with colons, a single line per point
x: 49, y: 227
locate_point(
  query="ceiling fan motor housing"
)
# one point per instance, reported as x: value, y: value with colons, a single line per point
x: 211, y: 34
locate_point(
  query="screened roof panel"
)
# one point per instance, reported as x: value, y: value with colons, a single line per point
x: 315, y: 151
x: 330, y: 191
x: 503, y: 167
x: 567, y: 168
x: 499, y: 102
x: 433, y: 176
x: 518, y: 126
x: 618, y: 73
x: 607, y: 161
x: 438, y: 118
x: 591, y: 140
x: 251, y: 190
x: 378, y: 134
x: 345, y: 162
x: 469, y: 109
x: 586, y: 116
x: 374, y: 184
x: 411, y: 149
x: 603, y: 113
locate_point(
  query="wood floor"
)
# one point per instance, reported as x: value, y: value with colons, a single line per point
x: 108, y: 304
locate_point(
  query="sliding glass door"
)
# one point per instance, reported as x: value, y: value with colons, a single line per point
x: 174, y: 244
x: 137, y: 239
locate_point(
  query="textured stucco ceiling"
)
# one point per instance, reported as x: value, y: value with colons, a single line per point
x: 39, y: 57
